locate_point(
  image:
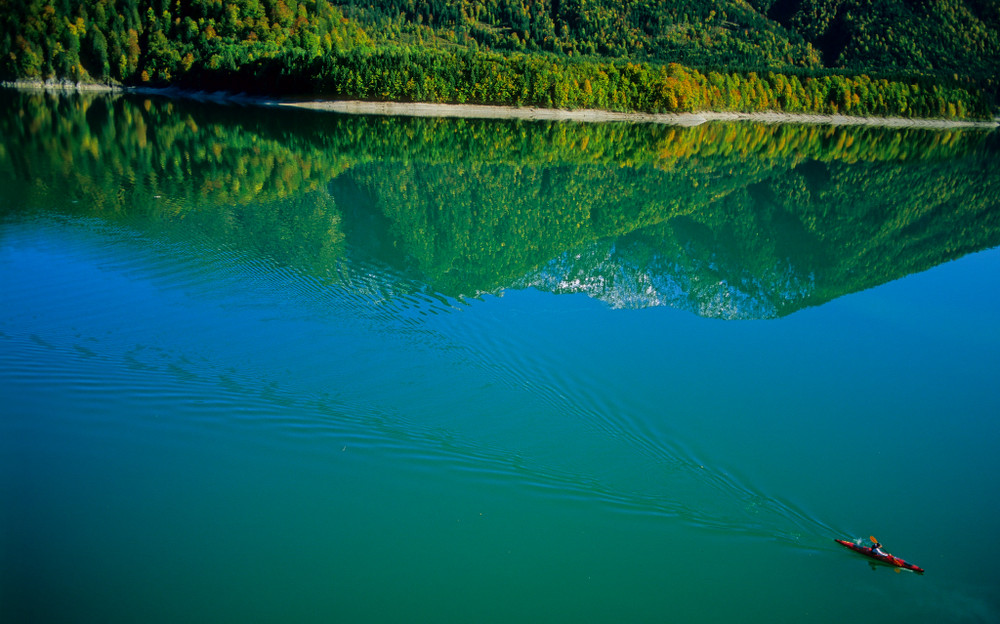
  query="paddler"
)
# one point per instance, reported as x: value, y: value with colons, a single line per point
x: 877, y: 549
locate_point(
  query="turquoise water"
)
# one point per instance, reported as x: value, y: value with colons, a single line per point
x: 211, y: 424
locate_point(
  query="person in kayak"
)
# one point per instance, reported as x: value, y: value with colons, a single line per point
x: 877, y: 550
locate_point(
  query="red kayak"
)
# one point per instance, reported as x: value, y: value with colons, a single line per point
x: 887, y: 559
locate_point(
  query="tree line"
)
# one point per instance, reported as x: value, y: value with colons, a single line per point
x: 429, y: 75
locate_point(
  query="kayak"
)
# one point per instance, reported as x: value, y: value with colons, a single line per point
x: 887, y: 559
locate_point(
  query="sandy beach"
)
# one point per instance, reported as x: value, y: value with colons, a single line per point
x: 475, y: 111
x: 531, y: 113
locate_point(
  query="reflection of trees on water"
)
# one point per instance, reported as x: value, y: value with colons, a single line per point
x: 801, y: 238
x: 727, y: 220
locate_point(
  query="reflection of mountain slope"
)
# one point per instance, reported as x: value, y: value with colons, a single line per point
x: 726, y: 220
x: 800, y: 238
x: 731, y: 223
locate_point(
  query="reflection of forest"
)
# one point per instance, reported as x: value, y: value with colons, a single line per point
x: 729, y: 220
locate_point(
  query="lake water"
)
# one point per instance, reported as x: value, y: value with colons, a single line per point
x: 269, y: 365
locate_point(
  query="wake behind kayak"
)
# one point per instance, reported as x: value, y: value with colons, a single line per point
x: 886, y: 558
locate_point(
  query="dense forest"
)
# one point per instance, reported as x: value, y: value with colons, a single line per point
x: 954, y: 36
x: 899, y: 58
x: 788, y: 215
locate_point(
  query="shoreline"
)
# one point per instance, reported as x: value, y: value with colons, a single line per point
x: 531, y: 113
x: 528, y: 113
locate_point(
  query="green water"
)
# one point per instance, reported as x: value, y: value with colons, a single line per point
x: 263, y: 365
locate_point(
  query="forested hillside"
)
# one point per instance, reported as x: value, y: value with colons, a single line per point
x: 138, y: 41
x: 890, y: 57
x: 958, y: 36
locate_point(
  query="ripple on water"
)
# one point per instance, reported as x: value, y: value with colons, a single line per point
x: 207, y: 337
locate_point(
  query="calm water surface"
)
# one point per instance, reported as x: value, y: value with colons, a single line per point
x: 270, y: 366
